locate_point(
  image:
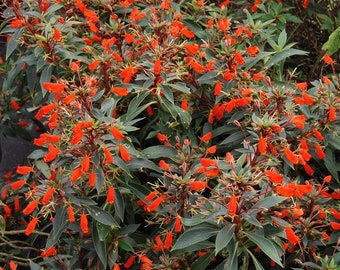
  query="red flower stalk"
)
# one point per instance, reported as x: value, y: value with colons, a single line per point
x: 291, y: 236
x: 30, y: 207
x: 48, y: 195
x: 31, y: 226
x: 110, y: 198
x: 197, y: 185
x: 70, y: 214
x: 24, y: 169
x: 84, y: 224
x: 232, y: 208
x: 124, y: 153
x: 17, y: 184
x: 116, y: 133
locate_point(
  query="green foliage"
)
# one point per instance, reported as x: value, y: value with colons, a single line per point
x: 172, y: 137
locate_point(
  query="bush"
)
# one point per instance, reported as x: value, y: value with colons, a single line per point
x: 173, y: 137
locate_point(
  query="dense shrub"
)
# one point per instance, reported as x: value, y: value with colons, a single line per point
x: 173, y: 136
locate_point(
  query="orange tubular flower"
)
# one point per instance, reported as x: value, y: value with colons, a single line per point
x: 31, y: 226
x: 110, y: 195
x: 331, y: 114
x: 291, y: 156
x: 120, y: 91
x: 285, y: 190
x: 232, y: 208
x: 24, y: 169
x: 54, y: 88
x: 335, y: 225
x: 129, y: 262
x: 30, y: 207
x: 49, y: 253
x: 48, y: 195
x: 128, y: 73
x: 124, y: 153
x: 70, y: 214
x: 320, y: 153
x: 85, y: 164
x: 262, y: 146
x: 157, y: 67
x: 16, y: 23
x: 17, y: 184
x: 178, y: 224
x: 291, y: 236
x: 298, y: 121
x: 84, y: 224
x: 108, y: 156
x: 116, y: 133
x: 197, y: 185
x: 154, y: 205
x: 218, y: 88
x: 328, y: 60
x: 206, y: 162
x: 206, y: 137
x: 165, y: 166
x: 274, y: 177
x: 75, y: 174
x: 168, y: 241
x: 15, y: 106
x: 92, y: 179
x: 197, y: 67
x: 52, y: 153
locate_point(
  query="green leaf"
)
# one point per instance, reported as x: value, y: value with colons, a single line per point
x: 35, y: 266
x: 331, y: 165
x: 207, y: 78
x: 234, y: 138
x: 13, y: 42
x: 37, y: 154
x: 102, y: 216
x: 43, y: 168
x: 59, y: 225
x: 194, y: 235
x: 103, y: 231
x: 223, y: 237
x: 168, y: 93
x: 203, y: 261
x: 125, y: 245
x: 258, y: 265
x: 277, y: 58
x: 52, y: 9
x: 333, y: 43
x: 180, y: 87
x: 139, y: 164
x: 232, y: 260
x: 108, y: 105
x: 119, y: 204
x: 269, y: 202
x: 282, y: 39
x: 195, y: 27
x: 99, y: 246
x: 159, y: 151
x: 266, y: 245
x: 195, y: 220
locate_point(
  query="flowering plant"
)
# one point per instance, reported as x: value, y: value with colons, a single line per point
x: 171, y: 138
